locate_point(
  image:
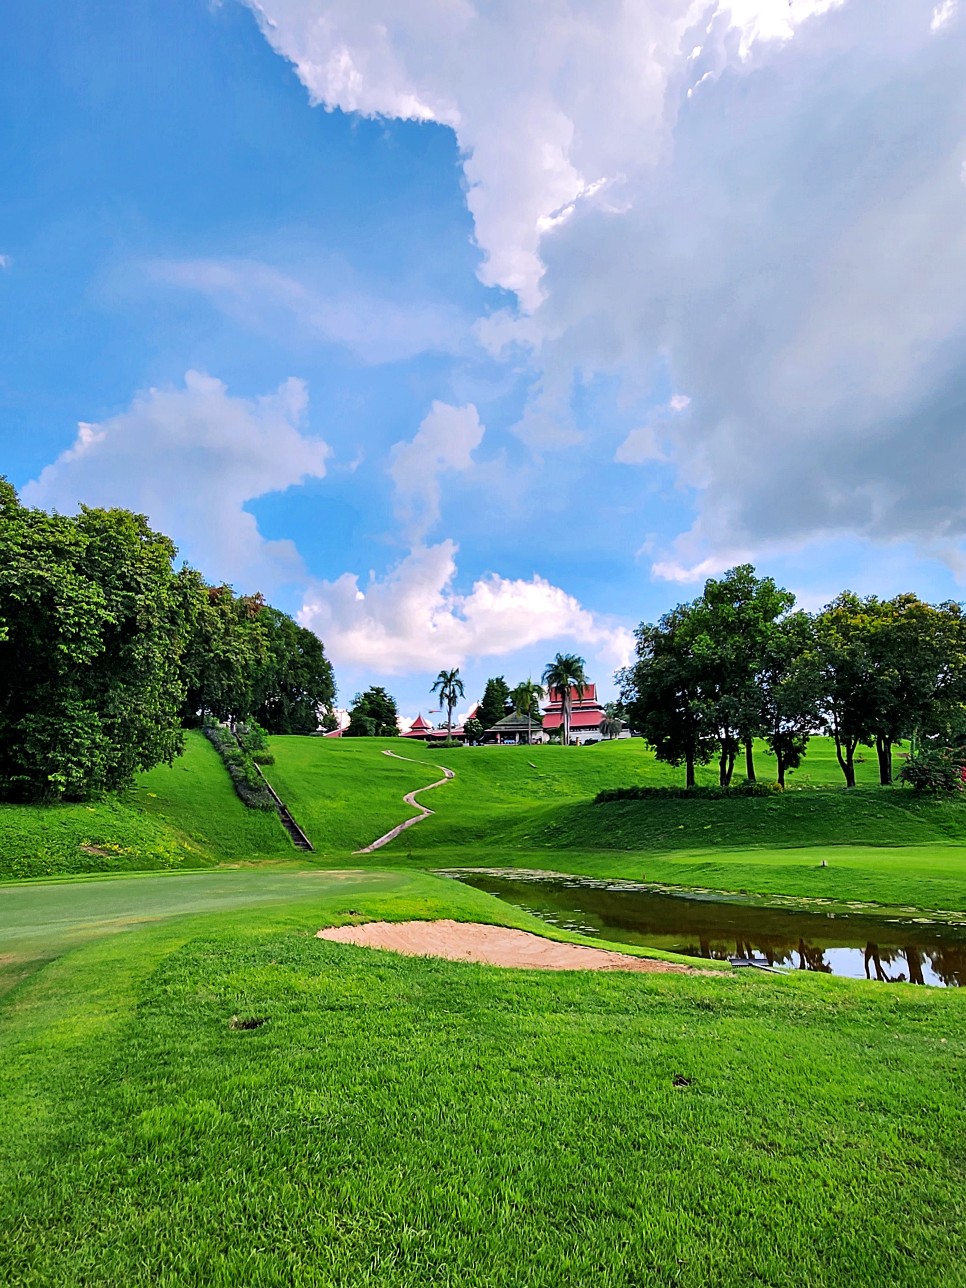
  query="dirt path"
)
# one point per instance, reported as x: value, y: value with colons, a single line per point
x: 493, y: 945
x: 410, y: 799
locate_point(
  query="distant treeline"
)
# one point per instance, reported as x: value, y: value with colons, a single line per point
x: 106, y: 652
x: 739, y: 663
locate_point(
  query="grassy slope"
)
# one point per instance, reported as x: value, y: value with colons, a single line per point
x: 881, y: 845
x: 406, y: 1122
x: 185, y: 816
x: 345, y: 793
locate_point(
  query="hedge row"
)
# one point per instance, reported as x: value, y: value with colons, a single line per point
x: 684, y: 793
x: 241, y: 767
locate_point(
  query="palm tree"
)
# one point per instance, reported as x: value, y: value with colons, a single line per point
x: 449, y: 686
x: 525, y: 697
x: 565, y: 672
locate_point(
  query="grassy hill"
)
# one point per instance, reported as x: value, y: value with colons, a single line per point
x: 534, y: 808
x: 178, y: 817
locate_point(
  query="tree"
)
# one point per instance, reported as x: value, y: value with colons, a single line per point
x: 565, y: 672
x: 226, y: 649
x: 789, y: 687
x: 917, y: 655
x: 526, y: 699
x: 449, y: 686
x: 662, y: 692
x: 733, y: 622
x: 373, y: 714
x: 496, y: 699
x: 610, y: 726
x: 473, y: 730
x: 91, y: 637
x: 295, y: 682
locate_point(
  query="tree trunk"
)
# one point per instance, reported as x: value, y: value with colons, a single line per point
x: 726, y: 766
x: 689, y: 763
x: 566, y: 720
x: 781, y: 767
x: 750, y: 761
x: 883, y: 749
x: 846, y: 763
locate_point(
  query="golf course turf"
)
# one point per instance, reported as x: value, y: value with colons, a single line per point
x: 194, y: 1089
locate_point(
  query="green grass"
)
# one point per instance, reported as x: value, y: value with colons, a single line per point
x: 178, y: 817
x: 345, y: 793
x: 533, y: 807
x: 413, y: 1122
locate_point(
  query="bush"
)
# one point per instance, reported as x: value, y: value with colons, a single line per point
x: 936, y: 769
x: 241, y: 768
x: 683, y: 793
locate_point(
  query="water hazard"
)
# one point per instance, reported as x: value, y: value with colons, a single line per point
x: 891, y: 949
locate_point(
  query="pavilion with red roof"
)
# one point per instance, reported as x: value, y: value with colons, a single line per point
x: 586, y: 713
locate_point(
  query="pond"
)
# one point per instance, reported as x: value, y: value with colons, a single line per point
x: 891, y: 949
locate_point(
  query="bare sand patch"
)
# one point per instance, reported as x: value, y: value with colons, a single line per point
x: 494, y: 945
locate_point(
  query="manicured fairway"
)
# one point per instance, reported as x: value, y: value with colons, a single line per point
x: 412, y: 1122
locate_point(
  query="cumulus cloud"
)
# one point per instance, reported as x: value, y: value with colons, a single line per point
x: 789, y: 238
x: 190, y: 459
x: 415, y: 619
x: 541, y: 136
x: 444, y: 443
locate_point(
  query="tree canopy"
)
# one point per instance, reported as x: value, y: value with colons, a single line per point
x: 373, y: 715
x: 106, y: 651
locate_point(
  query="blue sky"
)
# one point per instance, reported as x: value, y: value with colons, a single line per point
x: 467, y: 355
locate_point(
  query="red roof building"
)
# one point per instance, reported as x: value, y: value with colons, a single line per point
x: 419, y: 728
x: 586, y: 712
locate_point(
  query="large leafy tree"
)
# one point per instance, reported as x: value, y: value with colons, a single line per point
x: 789, y: 689
x: 662, y: 692
x: 373, y: 714
x: 91, y: 637
x: 564, y: 673
x: 495, y: 702
x: 526, y: 699
x: 449, y: 688
x: 733, y: 622
x: 891, y: 669
x: 226, y: 650
x: 296, y: 681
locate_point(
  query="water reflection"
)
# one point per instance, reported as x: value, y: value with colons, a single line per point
x: 857, y: 946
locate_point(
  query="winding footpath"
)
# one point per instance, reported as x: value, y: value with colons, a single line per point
x: 410, y: 799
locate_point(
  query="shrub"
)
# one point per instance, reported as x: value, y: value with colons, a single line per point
x: 682, y: 793
x: 936, y: 769
x: 241, y: 768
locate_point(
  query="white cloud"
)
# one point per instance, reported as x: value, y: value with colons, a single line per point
x: 540, y: 134
x: 415, y: 619
x: 323, y: 304
x: 444, y: 443
x: 190, y: 459
x: 639, y: 446
x: 791, y: 240
x: 4, y: 261
x: 943, y: 14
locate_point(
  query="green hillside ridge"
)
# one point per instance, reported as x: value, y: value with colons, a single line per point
x: 177, y: 817
x: 534, y: 808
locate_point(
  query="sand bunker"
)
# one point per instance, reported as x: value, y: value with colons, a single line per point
x: 495, y: 945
